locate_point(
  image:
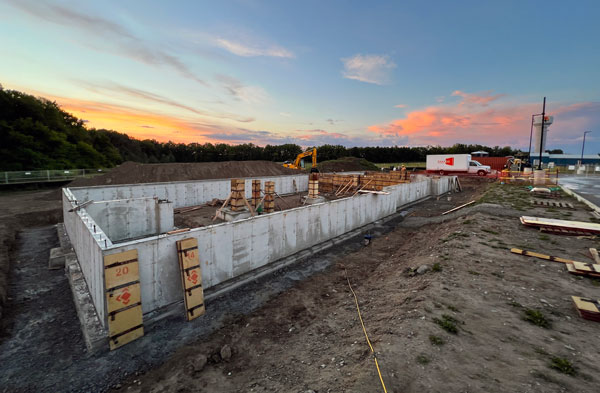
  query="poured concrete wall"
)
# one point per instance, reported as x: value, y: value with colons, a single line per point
x: 87, y: 239
x: 188, y: 193
x: 231, y: 249
x: 132, y: 218
x: 227, y: 250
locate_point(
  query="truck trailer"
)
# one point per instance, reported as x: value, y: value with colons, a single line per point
x: 455, y: 163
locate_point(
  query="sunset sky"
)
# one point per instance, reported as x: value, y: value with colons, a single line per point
x: 356, y: 73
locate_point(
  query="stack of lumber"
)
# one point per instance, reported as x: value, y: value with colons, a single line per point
x: 587, y: 308
x: 373, y: 181
x: 561, y: 226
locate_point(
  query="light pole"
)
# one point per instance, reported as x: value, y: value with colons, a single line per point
x: 530, y: 137
x: 583, y: 146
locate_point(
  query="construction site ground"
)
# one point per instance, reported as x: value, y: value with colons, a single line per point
x: 203, y: 215
x: 480, y: 319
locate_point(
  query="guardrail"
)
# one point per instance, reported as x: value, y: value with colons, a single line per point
x: 47, y: 175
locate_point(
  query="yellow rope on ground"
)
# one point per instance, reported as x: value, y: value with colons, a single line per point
x: 365, y: 331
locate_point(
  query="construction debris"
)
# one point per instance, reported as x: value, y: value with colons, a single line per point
x: 587, y: 308
x: 552, y: 204
x: 595, y: 255
x: 540, y: 256
x: 458, y: 208
x: 563, y: 226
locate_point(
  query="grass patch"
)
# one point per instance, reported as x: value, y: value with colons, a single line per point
x: 467, y: 222
x: 423, y: 359
x: 436, y: 340
x: 544, y: 237
x: 514, y: 303
x: 473, y: 272
x: 436, y: 267
x: 447, y: 323
x: 536, y: 318
x: 562, y: 365
x: 453, y: 308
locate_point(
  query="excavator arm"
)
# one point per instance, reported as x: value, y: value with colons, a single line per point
x: 297, y: 164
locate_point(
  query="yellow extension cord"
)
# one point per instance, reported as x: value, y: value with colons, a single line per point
x: 365, y: 331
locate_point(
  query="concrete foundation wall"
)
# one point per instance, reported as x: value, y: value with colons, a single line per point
x: 189, y: 193
x: 226, y: 250
x: 132, y: 218
x: 229, y: 250
x: 88, y: 244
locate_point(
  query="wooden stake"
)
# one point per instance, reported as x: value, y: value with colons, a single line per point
x: 224, y: 204
x: 457, y: 208
x: 362, y: 188
x: 249, y: 207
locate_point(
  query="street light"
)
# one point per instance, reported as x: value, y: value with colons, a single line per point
x: 583, y: 146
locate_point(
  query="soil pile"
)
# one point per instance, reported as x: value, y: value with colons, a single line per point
x: 133, y: 172
x: 347, y: 164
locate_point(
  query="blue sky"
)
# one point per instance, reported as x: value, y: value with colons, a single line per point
x: 351, y: 73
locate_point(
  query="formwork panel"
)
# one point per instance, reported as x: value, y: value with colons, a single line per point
x: 124, y: 296
x: 302, y: 230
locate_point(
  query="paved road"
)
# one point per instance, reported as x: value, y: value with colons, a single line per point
x: 588, y: 187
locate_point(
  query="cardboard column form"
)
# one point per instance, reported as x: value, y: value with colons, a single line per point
x: 238, y: 194
x: 269, y: 197
x: 123, y: 298
x: 191, y: 277
x: 313, y: 185
x: 255, y: 193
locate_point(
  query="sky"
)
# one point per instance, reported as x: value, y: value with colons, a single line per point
x: 354, y: 73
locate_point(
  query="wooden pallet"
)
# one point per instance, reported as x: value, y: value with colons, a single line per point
x: 583, y: 269
x: 561, y: 205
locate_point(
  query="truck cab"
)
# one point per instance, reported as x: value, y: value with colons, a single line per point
x: 476, y: 167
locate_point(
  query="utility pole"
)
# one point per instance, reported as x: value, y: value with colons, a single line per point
x: 542, y: 133
x: 530, y: 138
x: 583, y: 146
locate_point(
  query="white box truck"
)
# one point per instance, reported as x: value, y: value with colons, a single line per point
x: 455, y: 163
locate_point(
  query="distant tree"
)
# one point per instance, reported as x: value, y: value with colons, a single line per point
x: 555, y: 151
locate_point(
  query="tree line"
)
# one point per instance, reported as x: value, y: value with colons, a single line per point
x: 37, y: 134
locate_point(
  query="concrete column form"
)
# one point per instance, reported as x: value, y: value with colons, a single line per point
x: 269, y: 197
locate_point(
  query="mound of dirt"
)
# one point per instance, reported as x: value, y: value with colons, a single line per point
x: 133, y: 172
x: 347, y: 164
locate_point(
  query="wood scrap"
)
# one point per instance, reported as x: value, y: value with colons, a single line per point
x: 587, y: 308
x: 458, y: 184
x: 458, y: 208
x: 374, y: 192
x: 587, y: 227
x: 595, y: 255
x: 579, y: 270
x: 178, y: 231
x: 541, y: 256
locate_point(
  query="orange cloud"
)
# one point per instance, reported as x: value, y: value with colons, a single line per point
x: 497, y: 124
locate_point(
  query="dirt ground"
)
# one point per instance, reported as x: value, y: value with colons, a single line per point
x: 203, y: 215
x: 18, y: 210
x: 461, y: 326
x: 133, y: 172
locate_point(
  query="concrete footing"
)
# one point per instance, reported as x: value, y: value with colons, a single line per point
x: 229, y: 215
x: 94, y: 335
x: 312, y: 201
x: 57, y: 259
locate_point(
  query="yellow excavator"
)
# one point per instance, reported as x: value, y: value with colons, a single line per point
x: 298, y: 163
